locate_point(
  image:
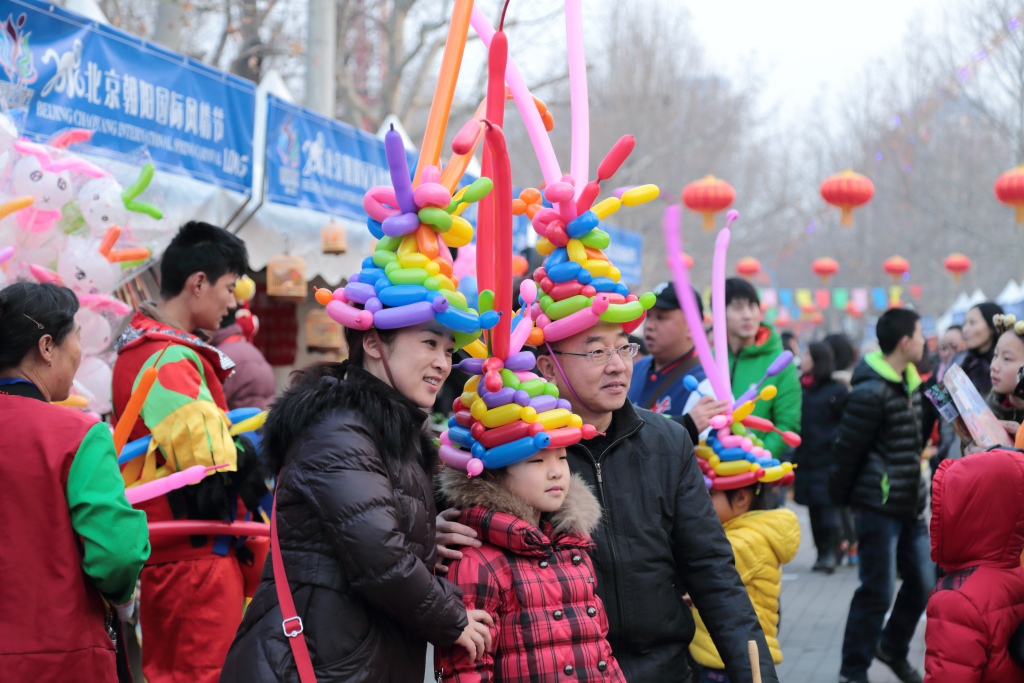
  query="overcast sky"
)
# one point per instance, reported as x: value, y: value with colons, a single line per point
x: 805, y: 46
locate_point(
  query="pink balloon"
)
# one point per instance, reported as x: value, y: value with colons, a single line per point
x: 452, y: 456
x: 718, y: 310
x: 559, y: 191
x: 671, y: 220
x: 349, y: 316
x: 720, y: 421
x: 380, y: 203
x: 580, y: 157
x: 6, y: 253
x: 528, y: 291
x: 190, y: 475
x: 577, y: 322
x: 526, y: 376
x: 432, y: 194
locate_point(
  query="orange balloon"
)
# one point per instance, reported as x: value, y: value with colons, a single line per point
x: 530, y: 195
x: 441, y: 105
x: 324, y: 296
x: 536, y: 337
x: 445, y: 266
x: 136, y: 254
x: 519, y: 265
x: 426, y: 241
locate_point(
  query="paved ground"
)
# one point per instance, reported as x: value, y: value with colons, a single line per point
x: 814, y: 608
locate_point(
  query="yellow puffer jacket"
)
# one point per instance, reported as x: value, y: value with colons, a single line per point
x: 762, y: 542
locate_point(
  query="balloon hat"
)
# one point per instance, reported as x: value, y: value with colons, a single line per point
x: 731, y: 456
x: 507, y: 414
x: 409, y: 279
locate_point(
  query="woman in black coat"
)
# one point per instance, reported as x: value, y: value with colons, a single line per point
x: 980, y: 336
x: 823, y: 403
x: 355, y: 518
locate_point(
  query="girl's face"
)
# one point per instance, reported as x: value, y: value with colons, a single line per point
x: 741, y: 502
x: 420, y: 359
x: 977, y: 334
x: 806, y: 364
x: 541, y: 481
x: 1006, y: 361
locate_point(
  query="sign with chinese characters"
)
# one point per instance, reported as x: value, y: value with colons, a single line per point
x: 321, y: 164
x: 69, y: 72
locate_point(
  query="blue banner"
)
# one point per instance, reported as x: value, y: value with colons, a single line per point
x: 69, y: 72
x: 318, y: 163
x: 626, y: 252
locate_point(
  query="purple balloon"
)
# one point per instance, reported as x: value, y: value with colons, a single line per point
x: 400, y: 224
x: 472, y: 366
x: 562, y: 403
x: 403, y: 316
x: 496, y: 399
x: 544, y: 403
x: 522, y: 398
x: 784, y: 360
x: 440, y: 304
x: 707, y: 481
x: 373, y: 304
x: 398, y: 164
x: 359, y: 293
x: 521, y: 362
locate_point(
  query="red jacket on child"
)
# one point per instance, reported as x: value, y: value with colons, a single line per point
x: 977, y: 531
x: 538, y: 585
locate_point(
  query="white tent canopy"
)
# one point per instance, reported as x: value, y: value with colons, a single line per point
x: 1011, y: 294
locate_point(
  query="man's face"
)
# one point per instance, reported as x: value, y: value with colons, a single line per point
x: 915, y: 344
x: 602, y: 387
x: 213, y: 300
x: 666, y: 333
x: 742, y: 318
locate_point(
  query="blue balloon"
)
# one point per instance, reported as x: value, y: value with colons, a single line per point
x: 376, y: 229
x: 238, y: 414
x: 690, y: 382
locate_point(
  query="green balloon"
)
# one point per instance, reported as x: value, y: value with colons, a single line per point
x: 623, y: 313
x: 647, y: 300
x: 453, y: 298
x: 389, y: 243
x: 408, y: 276
x: 550, y: 389
x: 391, y: 267
x: 480, y: 188
x: 738, y: 429
x: 596, y: 239
x: 509, y: 379
x: 438, y: 218
x: 566, y: 307
x: 381, y: 258
x: 533, y: 387
x: 486, y: 301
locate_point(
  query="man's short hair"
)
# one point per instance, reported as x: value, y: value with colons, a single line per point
x: 200, y: 248
x: 738, y: 289
x: 894, y: 325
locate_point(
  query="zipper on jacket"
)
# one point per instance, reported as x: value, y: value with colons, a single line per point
x: 605, y: 506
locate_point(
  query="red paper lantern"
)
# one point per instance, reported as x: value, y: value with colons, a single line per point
x: 896, y: 266
x: 957, y: 264
x: 748, y: 267
x: 708, y: 196
x: 1009, y: 189
x: 825, y: 268
x: 847, y: 190
x: 853, y: 311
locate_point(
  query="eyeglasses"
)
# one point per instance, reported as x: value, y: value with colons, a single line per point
x: 603, y: 355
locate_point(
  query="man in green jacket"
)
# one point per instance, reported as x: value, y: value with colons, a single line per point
x: 753, y: 346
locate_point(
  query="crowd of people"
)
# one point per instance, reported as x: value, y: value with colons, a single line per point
x: 603, y: 558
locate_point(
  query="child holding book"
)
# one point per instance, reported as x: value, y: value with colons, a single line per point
x: 763, y: 540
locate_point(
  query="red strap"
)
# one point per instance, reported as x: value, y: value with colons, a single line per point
x: 292, y: 624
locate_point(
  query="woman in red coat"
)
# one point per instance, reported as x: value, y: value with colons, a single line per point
x: 977, y: 533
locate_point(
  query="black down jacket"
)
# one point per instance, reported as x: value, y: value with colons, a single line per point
x: 878, y: 451
x: 355, y: 516
x: 658, y: 539
x: 821, y: 410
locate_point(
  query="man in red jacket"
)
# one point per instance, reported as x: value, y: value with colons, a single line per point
x: 977, y: 537
x: 192, y: 587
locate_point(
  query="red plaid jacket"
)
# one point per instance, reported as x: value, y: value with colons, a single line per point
x: 537, y: 584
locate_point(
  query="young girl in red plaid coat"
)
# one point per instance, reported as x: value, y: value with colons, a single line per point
x: 531, y: 573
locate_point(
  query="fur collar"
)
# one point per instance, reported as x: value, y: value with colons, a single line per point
x: 580, y: 512
x: 395, y: 422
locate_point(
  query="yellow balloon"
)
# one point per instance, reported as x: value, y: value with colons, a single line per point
x: 476, y: 349
x: 73, y: 401
x: 640, y: 195
x: 743, y: 412
x: 777, y: 472
x: 459, y: 235
x: 606, y: 207
x: 728, y: 469
x: 432, y: 268
x: 416, y: 260
x: 254, y: 422
x: 768, y: 393
x: 577, y: 252
x: 597, y: 268
x: 469, y: 398
x: 473, y: 382
x: 500, y: 416
x: 575, y: 421
x: 408, y: 246
x: 446, y: 282
x: 614, y: 274
x: 704, y: 452
x: 554, y: 419
x: 529, y: 415
x: 544, y: 247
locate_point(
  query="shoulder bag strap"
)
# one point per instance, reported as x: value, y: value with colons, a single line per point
x: 668, y: 380
x: 292, y: 624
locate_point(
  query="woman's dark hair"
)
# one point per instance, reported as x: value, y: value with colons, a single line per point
x: 988, y: 310
x: 27, y: 312
x: 842, y: 350
x: 824, y: 361
x: 354, y: 341
x: 758, y: 499
x: 200, y: 248
x: 736, y: 288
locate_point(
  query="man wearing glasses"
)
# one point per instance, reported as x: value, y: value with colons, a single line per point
x: 659, y: 536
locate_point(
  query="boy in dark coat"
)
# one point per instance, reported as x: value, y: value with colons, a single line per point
x: 877, y: 472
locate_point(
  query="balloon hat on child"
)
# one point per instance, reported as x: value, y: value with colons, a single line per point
x: 731, y: 456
